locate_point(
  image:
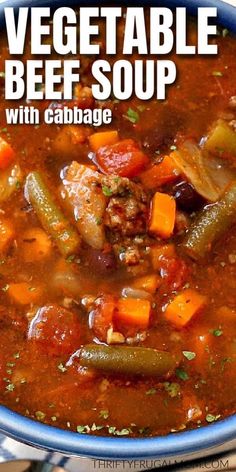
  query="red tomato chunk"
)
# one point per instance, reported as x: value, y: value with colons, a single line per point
x: 123, y: 158
x: 56, y: 330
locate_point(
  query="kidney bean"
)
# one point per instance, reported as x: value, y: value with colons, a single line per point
x: 186, y: 197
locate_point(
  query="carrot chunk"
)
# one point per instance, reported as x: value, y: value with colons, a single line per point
x: 160, y: 174
x: 184, y: 306
x: 163, y: 211
x: 6, y: 154
x: 134, y: 312
x: 105, y: 138
x: 7, y: 234
x: 24, y: 293
x: 148, y: 282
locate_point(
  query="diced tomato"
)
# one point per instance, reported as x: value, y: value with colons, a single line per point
x: 102, y: 316
x: 56, y: 330
x: 123, y: 158
x: 6, y: 154
x: 175, y: 272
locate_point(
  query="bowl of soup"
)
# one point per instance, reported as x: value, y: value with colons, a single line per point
x: 118, y: 262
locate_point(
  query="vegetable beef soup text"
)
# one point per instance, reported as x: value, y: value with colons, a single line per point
x: 118, y: 257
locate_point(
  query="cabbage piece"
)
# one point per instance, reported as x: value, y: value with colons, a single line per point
x: 208, y: 175
x: 82, y: 193
x: 221, y: 140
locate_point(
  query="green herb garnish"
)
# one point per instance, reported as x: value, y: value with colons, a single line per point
x: 70, y: 258
x: 61, y: 367
x: 182, y: 374
x: 40, y: 415
x: 132, y: 116
x: 217, y: 73
x: 172, y: 388
x: 189, y: 355
x: 96, y: 427
x: 104, y: 414
x: 83, y: 429
x: 151, y: 391
x: 98, y: 221
x: 106, y: 191
x: 216, y: 332
x: 211, y: 418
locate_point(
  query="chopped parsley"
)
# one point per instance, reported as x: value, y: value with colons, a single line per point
x: 144, y: 431
x: 111, y: 429
x: 189, y: 355
x: 211, y: 418
x: 104, y: 414
x: 106, y: 191
x: 70, y: 258
x: 182, y: 374
x: 132, y: 116
x: 40, y: 415
x: 172, y: 388
x: 83, y: 429
x: 10, y: 387
x: 61, y: 367
x: 217, y: 73
x: 123, y: 432
x: 216, y: 332
x: 96, y: 427
x: 98, y: 221
x: 117, y: 432
x: 225, y: 32
x: 173, y: 147
x: 151, y: 391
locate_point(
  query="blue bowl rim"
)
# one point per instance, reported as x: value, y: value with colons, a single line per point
x: 54, y: 439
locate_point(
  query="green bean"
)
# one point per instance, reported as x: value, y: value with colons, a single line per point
x: 50, y: 215
x: 127, y: 360
x: 211, y: 224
